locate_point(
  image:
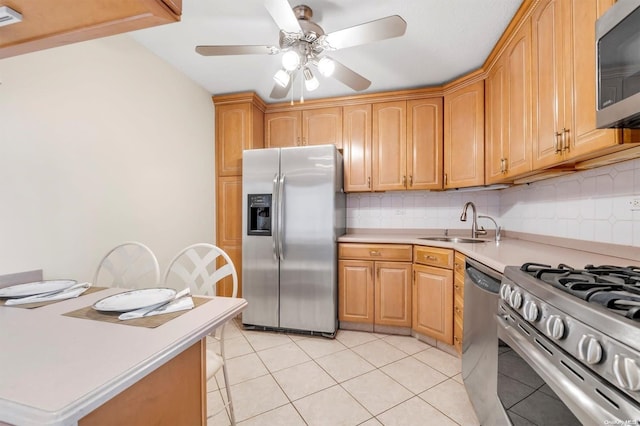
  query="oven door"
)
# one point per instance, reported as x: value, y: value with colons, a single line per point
x: 540, y: 383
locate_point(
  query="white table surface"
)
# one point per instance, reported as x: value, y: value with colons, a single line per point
x: 56, y: 369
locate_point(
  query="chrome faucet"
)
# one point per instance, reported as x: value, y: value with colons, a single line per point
x: 475, y: 232
x: 498, y: 229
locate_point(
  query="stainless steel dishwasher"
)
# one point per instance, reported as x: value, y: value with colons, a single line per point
x: 480, y: 342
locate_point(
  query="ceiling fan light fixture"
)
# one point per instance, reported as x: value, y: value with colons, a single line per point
x: 290, y: 60
x: 282, y: 77
x: 326, y: 66
x: 310, y: 80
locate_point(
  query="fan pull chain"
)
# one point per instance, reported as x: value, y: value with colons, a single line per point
x: 302, y: 90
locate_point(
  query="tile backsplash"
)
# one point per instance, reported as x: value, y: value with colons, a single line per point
x: 594, y: 205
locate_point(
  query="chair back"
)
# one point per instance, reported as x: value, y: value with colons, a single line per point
x: 130, y: 265
x: 201, y: 266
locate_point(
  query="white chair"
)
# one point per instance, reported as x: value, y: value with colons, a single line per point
x: 202, y: 267
x: 130, y: 265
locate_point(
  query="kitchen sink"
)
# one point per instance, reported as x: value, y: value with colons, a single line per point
x: 455, y: 239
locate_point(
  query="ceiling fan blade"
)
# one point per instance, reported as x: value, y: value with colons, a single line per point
x: 349, y: 77
x: 381, y: 29
x: 282, y: 13
x: 236, y: 50
x: 280, y: 92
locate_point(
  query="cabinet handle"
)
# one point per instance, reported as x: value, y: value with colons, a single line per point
x: 504, y: 165
x: 369, y: 182
x: 404, y: 180
x: 558, y: 146
x: 445, y: 179
x: 378, y: 273
x: 430, y: 257
x: 457, y: 309
x: 375, y: 253
x: 565, y: 140
x: 410, y: 180
x: 456, y: 338
x: 298, y: 141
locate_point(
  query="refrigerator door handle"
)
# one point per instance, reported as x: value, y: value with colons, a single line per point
x: 275, y: 234
x: 280, y: 216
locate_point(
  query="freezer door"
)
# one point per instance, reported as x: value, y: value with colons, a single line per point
x: 308, y: 265
x: 260, y: 275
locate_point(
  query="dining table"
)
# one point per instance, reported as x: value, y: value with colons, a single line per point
x: 59, y: 366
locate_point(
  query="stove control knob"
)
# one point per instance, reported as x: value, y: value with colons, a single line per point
x: 589, y: 350
x: 505, y: 292
x: 531, y: 311
x: 555, y: 327
x: 627, y: 372
x: 515, y: 299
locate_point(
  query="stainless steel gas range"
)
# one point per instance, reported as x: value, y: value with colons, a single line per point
x: 579, y: 331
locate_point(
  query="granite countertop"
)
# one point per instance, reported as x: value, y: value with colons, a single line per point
x: 498, y: 255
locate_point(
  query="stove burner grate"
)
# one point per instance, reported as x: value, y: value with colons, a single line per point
x: 614, y: 287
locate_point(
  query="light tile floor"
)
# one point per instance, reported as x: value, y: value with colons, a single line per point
x: 355, y: 379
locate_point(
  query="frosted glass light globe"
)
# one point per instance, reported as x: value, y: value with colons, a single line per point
x: 326, y: 66
x: 290, y: 60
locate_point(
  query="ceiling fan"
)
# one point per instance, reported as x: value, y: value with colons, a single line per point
x: 304, y: 45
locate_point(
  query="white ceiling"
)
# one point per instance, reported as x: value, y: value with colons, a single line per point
x: 444, y: 40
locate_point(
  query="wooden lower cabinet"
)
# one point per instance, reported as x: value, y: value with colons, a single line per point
x: 433, y: 292
x: 374, y: 293
x: 355, y: 299
x: 174, y: 394
x: 458, y: 300
x: 392, y: 301
x: 433, y: 302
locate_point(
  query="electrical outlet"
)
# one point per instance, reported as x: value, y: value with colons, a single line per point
x: 635, y: 204
x: 402, y: 212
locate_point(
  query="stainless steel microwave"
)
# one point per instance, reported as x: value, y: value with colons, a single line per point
x: 618, y: 66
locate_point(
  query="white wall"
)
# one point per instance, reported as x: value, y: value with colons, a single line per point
x: 100, y: 142
x: 592, y: 205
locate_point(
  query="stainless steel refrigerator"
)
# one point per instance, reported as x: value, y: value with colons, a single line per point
x: 293, y: 214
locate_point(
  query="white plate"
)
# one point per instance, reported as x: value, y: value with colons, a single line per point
x: 134, y: 299
x: 37, y: 287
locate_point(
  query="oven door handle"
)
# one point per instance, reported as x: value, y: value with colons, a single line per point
x: 584, y: 407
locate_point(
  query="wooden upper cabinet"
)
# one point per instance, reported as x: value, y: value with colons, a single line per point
x: 317, y: 126
x: 563, y: 43
x: 322, y: 126
x: 496, y: 120
x: 464, y: 136
x: 357, y: 147
x: 552, y: 110
x: 509, y: 136
x: 239, y: 126
x: 407, y: 145
x: 282, y: 129
x: 52, y: 24
x: 389, y: 146
x: 424, y: 143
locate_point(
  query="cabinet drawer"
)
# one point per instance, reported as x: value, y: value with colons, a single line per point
x: 458, y: 264
x: 433, y: 256
x: 393, y: 252
x: 458, y: 307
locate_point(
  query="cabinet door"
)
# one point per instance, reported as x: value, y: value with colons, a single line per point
x: 585, y: 137
x: 282, y: 129
x: 548, y: 28
x: 355, y: 291
x: 357, y: 147
x: 424, y: 143
x: 464, y: 136
x: 433, y: 302
x: 238, y: 127
x: 496, y: 118
x: 389, y: 146
x: 229, y: 226
x: 519, y: 131
x: 392, y: 294
x: 322, y: 126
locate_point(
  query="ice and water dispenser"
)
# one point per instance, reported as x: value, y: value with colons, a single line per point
x: 259, y: 211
